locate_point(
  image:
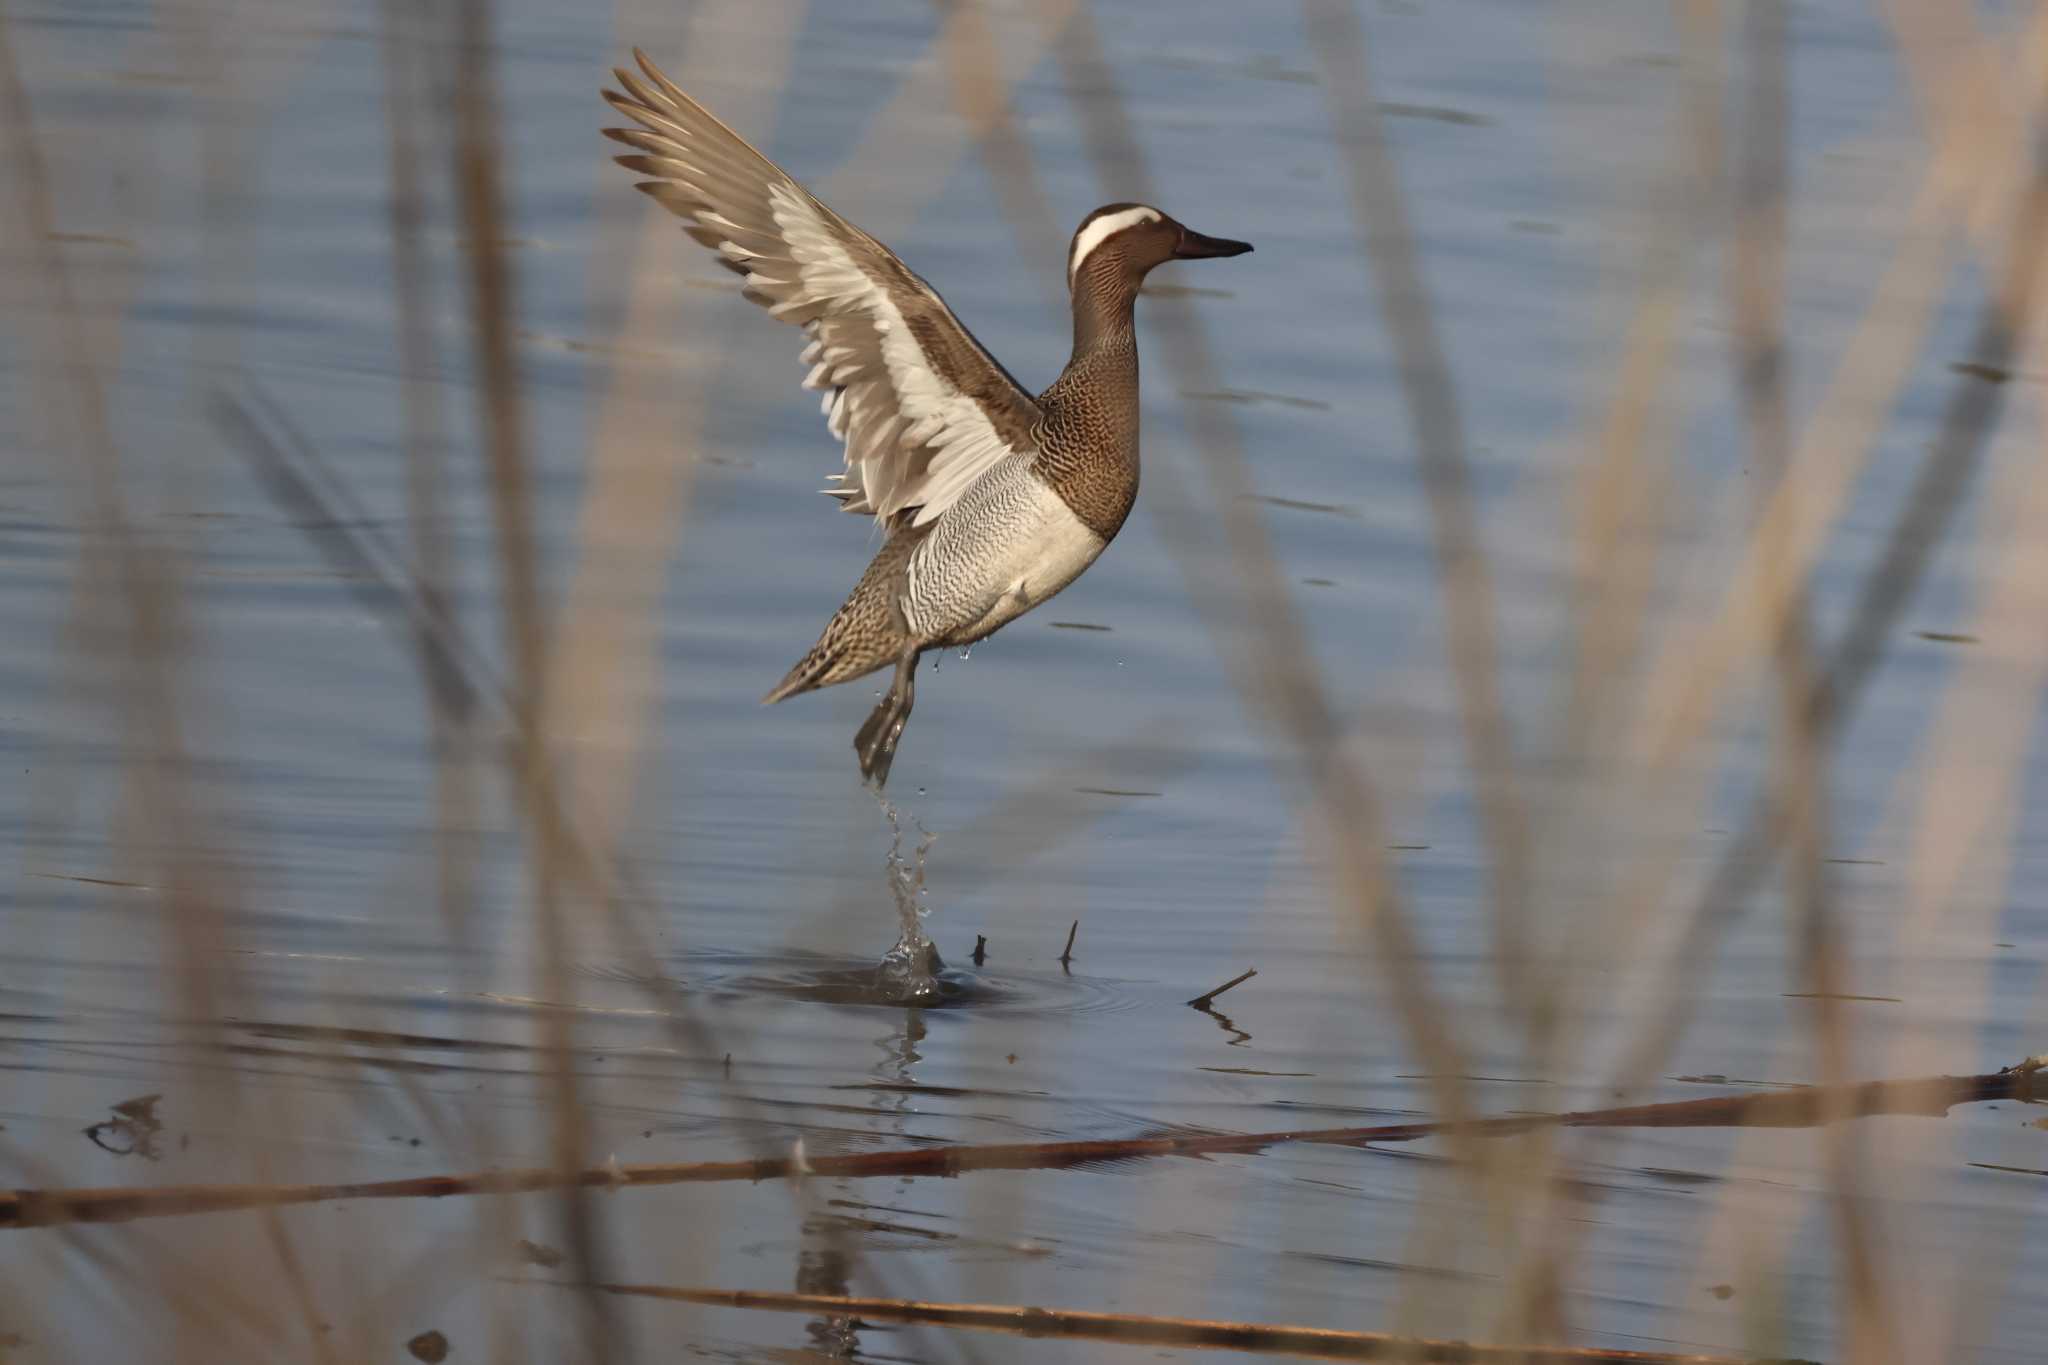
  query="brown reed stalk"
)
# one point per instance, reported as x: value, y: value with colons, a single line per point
x: 142, y: 588
x: 1262, y: 638
x: 1386, y: 242
x: 968, y: 44
x: 1964, y: 841
x: 480, y: 198
x: 1872, y: 367
x: 1829, y: 692
x: 1804, y: 743
x: 1795, y: 1107
x: 1133, y: 1329
x: 451, y: 703
x: 302, y: 481
x: 1945, y: 476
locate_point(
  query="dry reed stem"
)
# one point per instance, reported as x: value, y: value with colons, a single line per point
x: 1847, y: 419
x: 1259, y: 633
x: 1969, y: 172
x: 501, y: 419
x: 644, y: 461
x: 1965, y: 826
x: 1758, y: 193
x: 1314, y: 1343
x: 1244, y: 602
x: 451, y: 704
x: 870, y: 186
x: 1830, y: 698
x: 1260, y: 638
x: 300, y: 480
x: 393, y: 591
x: 413, y: 118
x: 1625, y: 477
x: 144, y: 606
x: 1965, y: 794
x: 1619, y: 492
x: 1756, y: 285
x: 1386, y: 242
x: 972, y: 54
x: 1946, y: 473
x: 1803, y: 1107
x: 643, y: 451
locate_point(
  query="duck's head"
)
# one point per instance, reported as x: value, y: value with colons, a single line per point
x: 1119, y: 243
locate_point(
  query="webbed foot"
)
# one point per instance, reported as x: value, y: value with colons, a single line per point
x: 875, y: 745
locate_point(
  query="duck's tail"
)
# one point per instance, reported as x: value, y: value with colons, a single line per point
x: 866, y: 633
x: 803, y: 678
x: 819, y: 668
x: 856, y: 642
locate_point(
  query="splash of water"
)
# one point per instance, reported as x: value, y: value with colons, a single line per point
x: 908, y: 972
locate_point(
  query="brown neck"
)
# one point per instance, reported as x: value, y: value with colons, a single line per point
x: 1089, y: 448
x: 1102, y: 318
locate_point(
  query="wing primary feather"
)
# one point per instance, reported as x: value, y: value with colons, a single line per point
x: 922, y: 408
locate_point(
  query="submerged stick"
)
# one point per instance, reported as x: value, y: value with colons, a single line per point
x: 1067, y: 953
x: 1137, y: 1329
x: 1803, y: 1107
x: 1201, y: 1002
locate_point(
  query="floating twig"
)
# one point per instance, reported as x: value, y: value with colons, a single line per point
x: 1137, y: 1329
x: 1201, y: 1002
x: 1798, y: 1107
x: 1067, y: 953
x: 132, y: 1131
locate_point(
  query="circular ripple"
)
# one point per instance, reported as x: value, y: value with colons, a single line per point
x: 825, y: 979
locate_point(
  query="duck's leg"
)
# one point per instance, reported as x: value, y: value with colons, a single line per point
x: 875, y: 745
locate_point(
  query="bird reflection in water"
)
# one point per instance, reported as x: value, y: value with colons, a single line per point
x: 830, y: 1247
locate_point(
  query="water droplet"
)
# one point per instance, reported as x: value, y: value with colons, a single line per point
x: 905, y: 971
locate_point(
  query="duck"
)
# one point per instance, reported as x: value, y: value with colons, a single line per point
x: 990, y: 499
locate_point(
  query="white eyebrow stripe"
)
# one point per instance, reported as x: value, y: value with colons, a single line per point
x: 1102, y: 229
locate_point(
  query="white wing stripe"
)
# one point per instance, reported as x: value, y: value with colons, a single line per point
x: 936, y: 413
x: 920, y: 406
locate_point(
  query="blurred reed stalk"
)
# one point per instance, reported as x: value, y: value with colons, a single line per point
x: 1795, y: 1107
x: 131, y: 635
x: 501, y: 421
x: 1250, y: 611
x: 1962, y: 173
x: 1756, y: 286
x: 1386, y: 243
x: 1132, y: 1329
x: 451, y: 701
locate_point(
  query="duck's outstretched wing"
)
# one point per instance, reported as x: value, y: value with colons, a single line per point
x: 922, y: 407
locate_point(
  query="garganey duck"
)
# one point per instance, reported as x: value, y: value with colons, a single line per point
x: 992, y: 500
